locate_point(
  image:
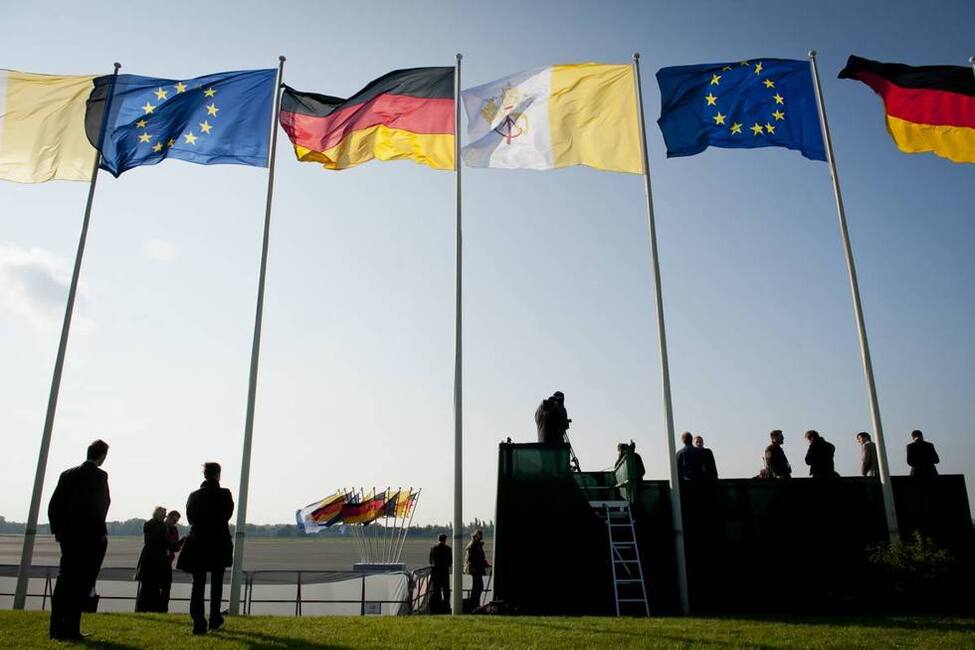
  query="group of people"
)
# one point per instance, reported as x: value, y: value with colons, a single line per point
x: 77, y: 513
x: 441, y: 561
x: 921, y: 456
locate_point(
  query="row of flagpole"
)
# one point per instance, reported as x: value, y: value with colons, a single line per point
x: 458, y: 533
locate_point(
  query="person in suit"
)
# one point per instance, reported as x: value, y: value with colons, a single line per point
x: 819, y: 456
x: 690, y: 464
x: 153, y: 562
x: 710, y: 469
x: 208, y: 549
x: 77, y: 512
x: 921, y: 456
x: 441, y: 559
x: 868, y: 455
x: 175, y: 543
x: 776, y: 464
x: 476, y: 567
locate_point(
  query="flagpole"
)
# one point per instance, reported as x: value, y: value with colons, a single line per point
x: 245, y: 464
x: 30, y: 534
x: 882, y: 465
x: 457, y: 603
x: 675, y: 501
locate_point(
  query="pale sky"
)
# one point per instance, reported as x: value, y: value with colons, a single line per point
x: 356, y: 368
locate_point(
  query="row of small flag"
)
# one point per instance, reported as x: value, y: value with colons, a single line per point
x: 544, y: 118
x: 356, y: 507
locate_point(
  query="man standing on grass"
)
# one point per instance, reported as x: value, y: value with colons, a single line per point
x: 441, y: 560
x: 77, y: 514
x: 477, y: 566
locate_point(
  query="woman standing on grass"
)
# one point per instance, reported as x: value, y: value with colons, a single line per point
x: 153, y: 563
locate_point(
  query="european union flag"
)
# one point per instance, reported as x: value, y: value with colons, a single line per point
x: 216, y: 119
x: 746, y: 104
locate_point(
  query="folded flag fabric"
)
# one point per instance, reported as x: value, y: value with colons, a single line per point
x: 557, y: 116
x: 42, y: 127
x: 404, y: 502
x: 321, y: 514
x: 404, y: 115
x: 367, y: 510
x: 222, y: 118
x: 740, y: 105
x: 928, y: 108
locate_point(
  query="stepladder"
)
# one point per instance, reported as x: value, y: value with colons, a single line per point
x: 629, y: 590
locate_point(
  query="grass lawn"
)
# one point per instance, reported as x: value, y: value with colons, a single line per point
x: 29, y: 629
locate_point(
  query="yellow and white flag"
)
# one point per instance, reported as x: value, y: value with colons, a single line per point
x: 42, y: 128
x: 558, y: 116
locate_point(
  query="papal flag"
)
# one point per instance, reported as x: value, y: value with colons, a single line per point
x: 42, y: 128
x: 928, y: 108
x: 558, y: 116
x: 404, y: 115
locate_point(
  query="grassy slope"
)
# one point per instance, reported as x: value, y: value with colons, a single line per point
x: 29, y: 629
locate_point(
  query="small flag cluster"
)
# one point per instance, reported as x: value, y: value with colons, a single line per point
x: 356, y: 507
x: 544, y: 118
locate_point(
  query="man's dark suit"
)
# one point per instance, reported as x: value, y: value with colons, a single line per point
x: 922, y: 458
x: 208, y: 548
x: 441, y: 560
x: 819, y: 457
x: 77, y: 514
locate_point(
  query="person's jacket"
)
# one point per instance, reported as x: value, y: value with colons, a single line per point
x: 441, y: 558
x: 476, y: 562
x: 868, y: 459
x: 154, y: 559
x: 208, y: 546
x: 79, y: 505
x: 710, y: 469
x: 776, y: 463
x: 922, y: 458
x: 819, y: 457
x: 690, y: 463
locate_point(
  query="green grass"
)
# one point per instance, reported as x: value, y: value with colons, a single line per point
x: 29, y: 629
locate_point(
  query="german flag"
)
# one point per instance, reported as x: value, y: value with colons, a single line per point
x: 406, y: 114
x: 929, y: 108
x: 366, y: 511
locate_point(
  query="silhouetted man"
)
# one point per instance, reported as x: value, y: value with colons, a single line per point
x: 208, y: 548
x: 690, y: 464
x: 77, y: 514
x: 477, y: 566
x: 638, y: 470
x: 710, y: 470
x: 819, y: 456
x: 776, y: 464
x: 441, y: 560
x: 552, y: 420
x: 921, y: 456
x: 868, y: 455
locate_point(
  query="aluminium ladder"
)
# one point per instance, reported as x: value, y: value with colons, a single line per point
x: 629, y: 591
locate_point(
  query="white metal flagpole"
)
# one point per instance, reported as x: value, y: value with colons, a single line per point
x: 675, y: 501
x: 30, y: 534
x: 245, y: 464
x: 457, y: 601
x: 882, y: 465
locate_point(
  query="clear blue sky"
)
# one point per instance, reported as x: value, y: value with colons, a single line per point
x: 356, y: 367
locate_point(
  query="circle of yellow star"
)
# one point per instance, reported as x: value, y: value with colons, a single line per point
x: 161, y: 94
x: 719, y: 118
x: 769, y: 83
x: 769, y: 129
x: 779, y: 99
x: 145, y: 137
x: 209, y: 92
x: 205, y: 126
x: 715, y: 79
x: 711, y: 99
x: 142, y: 123
x: 736, y: 127
x: 758, y: 68
x: 212, y: 109
x: 190, y: 138
x: 757, y: 129
x: 180, y: 87
x: 779, y: 115
x: 148, y: 108
x: 157, y: 147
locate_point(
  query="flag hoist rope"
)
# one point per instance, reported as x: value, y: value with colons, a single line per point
x: 245, y: 464
x: 675, y: 501
x: 458, y: 574
x: 27, y: 554
x: 882, y: 466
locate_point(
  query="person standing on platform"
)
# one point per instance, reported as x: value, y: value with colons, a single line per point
x: 868, y: 455
x: 153, y: 563
x: 921, y: 456
x: 441, y: 560
x: 77, y: 514
x: 819, y: 457
x: 477, y: 566
x: 690, y: 465
x: 175, y: 543
x: 208, y: 548
x: 776, y: 464
x: 710, y: 469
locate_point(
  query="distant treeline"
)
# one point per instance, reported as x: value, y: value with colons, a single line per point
x: 133, y: 527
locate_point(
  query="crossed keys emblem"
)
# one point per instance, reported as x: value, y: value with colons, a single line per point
x: 514, y: 124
